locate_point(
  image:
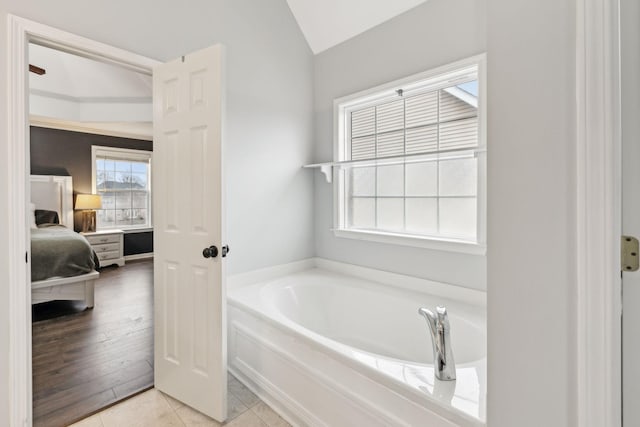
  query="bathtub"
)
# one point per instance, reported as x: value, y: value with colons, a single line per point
x: 325, y: 348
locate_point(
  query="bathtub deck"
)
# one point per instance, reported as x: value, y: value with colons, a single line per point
x: 305, y: 361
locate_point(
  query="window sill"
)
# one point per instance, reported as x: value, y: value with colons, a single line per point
x: 448, y: 245
x: 128, y: 230
x: 137, y: 230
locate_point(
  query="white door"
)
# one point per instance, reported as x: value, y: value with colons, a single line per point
x: 630, y: 66
x: 189, y: 289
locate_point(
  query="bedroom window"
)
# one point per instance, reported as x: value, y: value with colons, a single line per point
x: 411, y: 158
x: 123, y: 178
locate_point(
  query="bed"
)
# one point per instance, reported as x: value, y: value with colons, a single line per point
x: 62, y: 261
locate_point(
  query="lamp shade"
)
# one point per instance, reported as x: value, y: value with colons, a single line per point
x: 88, y: 201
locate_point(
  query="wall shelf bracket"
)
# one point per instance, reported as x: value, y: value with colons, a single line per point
x: 325, y: 168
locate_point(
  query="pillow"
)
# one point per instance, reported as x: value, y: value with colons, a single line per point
x: 43, y: 216
x: 33, y: 216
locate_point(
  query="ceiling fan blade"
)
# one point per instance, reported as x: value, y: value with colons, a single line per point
x: 39, y: 71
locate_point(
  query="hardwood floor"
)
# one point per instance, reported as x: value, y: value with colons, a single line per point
x: 85, y: 360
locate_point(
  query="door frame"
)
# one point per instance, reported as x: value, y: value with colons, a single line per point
x: 598, y: 345
x: 21, y: 33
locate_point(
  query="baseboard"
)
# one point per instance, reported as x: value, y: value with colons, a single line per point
x: 138, y: 256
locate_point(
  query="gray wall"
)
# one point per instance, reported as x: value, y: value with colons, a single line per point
x: 61, y: 152
x: 433, y: 34
x: 532, y: 192
x: 531, y: 276
x: 269, y: 112
x: 269, y: 104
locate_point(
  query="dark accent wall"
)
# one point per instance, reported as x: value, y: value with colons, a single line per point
x: 138, y: 243
x: 66, y: 153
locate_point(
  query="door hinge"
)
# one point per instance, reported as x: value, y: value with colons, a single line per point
x: 26, y: 257
x: 629, y: 253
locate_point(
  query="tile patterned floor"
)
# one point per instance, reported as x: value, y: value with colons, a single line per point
x: 155, y: 409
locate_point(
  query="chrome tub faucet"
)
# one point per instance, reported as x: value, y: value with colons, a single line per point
x: 445, y: 367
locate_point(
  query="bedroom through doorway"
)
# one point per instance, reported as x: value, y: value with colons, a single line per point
x: 92, y: 234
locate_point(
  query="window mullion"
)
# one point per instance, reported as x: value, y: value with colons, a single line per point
x: 438, y: 165
x: 404, y: 164
x: 375, y: 171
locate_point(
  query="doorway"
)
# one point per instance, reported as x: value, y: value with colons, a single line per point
x: 91, y: 126
x: 188, y: 124
x: 22, y: 33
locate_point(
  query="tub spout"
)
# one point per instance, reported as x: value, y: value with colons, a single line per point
x: 445, y: 367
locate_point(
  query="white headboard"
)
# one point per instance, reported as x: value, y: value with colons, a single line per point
x: 54, y: 193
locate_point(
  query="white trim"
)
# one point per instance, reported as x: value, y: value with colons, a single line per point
x: 437, y: 78
x: 120, y: 153
x: 482, y: 156
x: 417, y: 78
x: 18, y: 165
x: 598, y: 206
x: 126, y: 154
x: 137, y: 230
x: 93, y: 99
x: 130, y: 130
x: 146, y: 255
x: 440, y: 244
x: 21, y: 32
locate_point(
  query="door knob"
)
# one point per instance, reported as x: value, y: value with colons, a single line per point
x: 210, y: 252
x: 225, y: 250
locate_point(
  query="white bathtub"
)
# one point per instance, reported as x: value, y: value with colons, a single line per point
x: 329, y: 349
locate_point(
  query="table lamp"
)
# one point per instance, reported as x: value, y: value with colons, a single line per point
x: 88, y: 203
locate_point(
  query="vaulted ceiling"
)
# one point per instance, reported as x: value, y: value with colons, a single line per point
x: 326, y: 23
x: 76, y: 88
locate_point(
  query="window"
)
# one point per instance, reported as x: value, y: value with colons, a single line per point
x: 123, y: 178
x: 411, y: 159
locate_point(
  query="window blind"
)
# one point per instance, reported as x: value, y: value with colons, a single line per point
x: 429, y: 122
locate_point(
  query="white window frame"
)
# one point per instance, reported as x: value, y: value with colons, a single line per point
x: 130, y: 155
x: 388, y: 91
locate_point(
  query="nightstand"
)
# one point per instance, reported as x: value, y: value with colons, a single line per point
x: 108, y: 245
